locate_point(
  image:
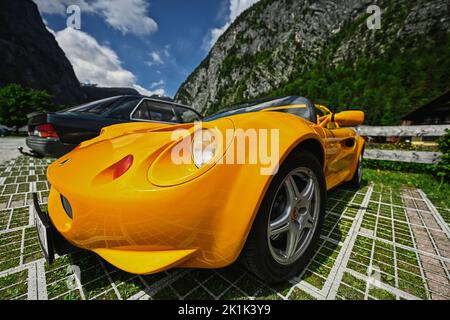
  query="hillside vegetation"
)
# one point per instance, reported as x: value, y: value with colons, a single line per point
x: 323, y: 50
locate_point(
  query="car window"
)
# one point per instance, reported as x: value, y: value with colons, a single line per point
x: 155, y: 111
x: 95, y: 107
x: 302, y: 112
x: 122, y: 109
x: 186, y: 115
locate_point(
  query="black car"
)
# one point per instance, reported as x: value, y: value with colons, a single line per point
x: 57, y: 133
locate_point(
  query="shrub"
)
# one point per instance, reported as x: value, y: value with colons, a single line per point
x: 398, y: 166
x: 443, y: 167
x: 440, y: 170
x: 16, y: 102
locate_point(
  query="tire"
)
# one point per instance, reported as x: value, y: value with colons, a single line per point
x: 356, y: 181
x: 263, y: 251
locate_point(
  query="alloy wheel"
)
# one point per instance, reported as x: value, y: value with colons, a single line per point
x: 294, y: 215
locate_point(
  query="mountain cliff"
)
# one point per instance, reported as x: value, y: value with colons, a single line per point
x: 324, y: 50
x: 96, y: 93
x: 30, y: 55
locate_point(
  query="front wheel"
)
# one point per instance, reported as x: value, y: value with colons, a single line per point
x: 289, y: 220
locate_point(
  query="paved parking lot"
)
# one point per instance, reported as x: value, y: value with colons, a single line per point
x: 8, y: 148
x: 377, y: 243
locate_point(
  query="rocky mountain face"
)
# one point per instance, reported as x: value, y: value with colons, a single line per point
x: 30, y: 55
x: 323, y: 49
x: 96, y: 93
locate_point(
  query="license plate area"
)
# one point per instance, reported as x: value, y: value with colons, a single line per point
x: 44, y: 230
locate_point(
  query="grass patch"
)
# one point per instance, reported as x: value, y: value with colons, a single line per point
x: 313, y: 279
x: 130, y: 288
x: 199, y: 294
x: 14, y: 285
x: 20, y: 217
x: 217, y: 285
x: 349, y: 293
x: 298, y: 294
x: 249, y: 285
x: 354, y: 282
x: 381, y: 294
x: 72, y: 295
x: 267, y: 294
x: 437, y: 193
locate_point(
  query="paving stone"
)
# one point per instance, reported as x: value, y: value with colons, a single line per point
x: 439, y: 278
x: 376, y: 243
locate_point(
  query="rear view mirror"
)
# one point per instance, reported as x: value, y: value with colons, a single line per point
x: 349, y: 118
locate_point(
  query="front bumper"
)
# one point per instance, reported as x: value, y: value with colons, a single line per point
x: 145, y: 262
x: 50, y: 240
x: 138, y: 262
x: 48, y: 147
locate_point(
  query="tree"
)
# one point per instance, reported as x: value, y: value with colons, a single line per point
x: 443, y: 167
x: 16, y: 102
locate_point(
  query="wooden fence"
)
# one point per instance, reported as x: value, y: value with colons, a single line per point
x: 403, y: 131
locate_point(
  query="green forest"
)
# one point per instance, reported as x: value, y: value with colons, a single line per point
x: 385, y: 77
x: 386, y: 88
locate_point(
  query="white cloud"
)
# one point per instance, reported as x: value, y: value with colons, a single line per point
x: 216, y: 33
x: 60, y: 6
x: 239, y: 6
x: 166, y: 51
x: 155, y: 59
x: 235, y: 9
x: 51, y: 7
x: 128, y: 16
x: 95, y: 63
x: 91, y: 61
x: 157, y: 92
x: 157, y: 84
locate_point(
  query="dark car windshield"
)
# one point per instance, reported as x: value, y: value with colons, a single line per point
x: 262, y: 104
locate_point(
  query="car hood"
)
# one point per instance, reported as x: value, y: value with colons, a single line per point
x: 86, y: 167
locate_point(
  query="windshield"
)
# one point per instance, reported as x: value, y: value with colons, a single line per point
x: 259, y: 105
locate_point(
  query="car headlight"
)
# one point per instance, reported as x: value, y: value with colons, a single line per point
x: 196, y: 151
x: 204, y: 147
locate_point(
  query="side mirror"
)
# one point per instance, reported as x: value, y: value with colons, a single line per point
x: 349, y: 118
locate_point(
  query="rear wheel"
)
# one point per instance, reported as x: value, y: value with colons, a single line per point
x: 288, y: 223
x: 356, y: 181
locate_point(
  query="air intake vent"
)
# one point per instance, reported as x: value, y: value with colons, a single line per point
x: 66, y: 206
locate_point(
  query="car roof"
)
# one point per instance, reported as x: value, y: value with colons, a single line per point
x: 163, y: 100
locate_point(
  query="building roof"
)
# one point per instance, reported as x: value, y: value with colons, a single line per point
x: 439, y: 107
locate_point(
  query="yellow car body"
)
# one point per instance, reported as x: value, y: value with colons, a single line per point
x: 160, y: 215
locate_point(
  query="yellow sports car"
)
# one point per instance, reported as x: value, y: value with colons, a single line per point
x: 151, y: 196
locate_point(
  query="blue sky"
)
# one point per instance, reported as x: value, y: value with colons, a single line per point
x: 151, y: 45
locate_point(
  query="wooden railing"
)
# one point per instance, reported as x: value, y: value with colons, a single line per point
x: 403, y: 156
x: 403, y: 131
